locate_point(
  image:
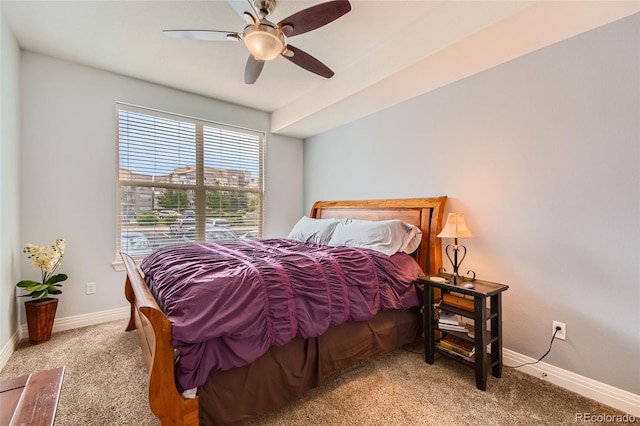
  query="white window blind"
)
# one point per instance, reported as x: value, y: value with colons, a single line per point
x: 183, y: 179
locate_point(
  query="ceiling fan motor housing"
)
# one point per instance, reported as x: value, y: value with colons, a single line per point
x: 265, y: 7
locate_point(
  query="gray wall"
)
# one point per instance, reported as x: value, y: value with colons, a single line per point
x: 69, y: 169
x: 541, y: 154
x: 9, y: 187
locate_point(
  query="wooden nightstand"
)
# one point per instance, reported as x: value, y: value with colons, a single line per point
x: 484, y: 334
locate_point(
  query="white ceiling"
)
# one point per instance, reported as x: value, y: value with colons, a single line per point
x: 383, y: 52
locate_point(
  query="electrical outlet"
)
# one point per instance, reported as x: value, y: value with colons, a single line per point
x: 562, y: 333
x: 91, y: 288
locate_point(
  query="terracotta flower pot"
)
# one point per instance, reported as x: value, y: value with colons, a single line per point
x: 40, y: 316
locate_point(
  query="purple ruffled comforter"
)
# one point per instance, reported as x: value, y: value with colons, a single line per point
x: 228, y: 303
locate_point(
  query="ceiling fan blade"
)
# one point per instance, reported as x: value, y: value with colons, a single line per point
x: 242, y: 6
x: 210, y: 35
x: 252, y: 70
x: 314, y: 17
x: 306, y: 61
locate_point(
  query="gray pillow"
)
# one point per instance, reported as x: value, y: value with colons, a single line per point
x: 385, y: 236
x: 317, y: 231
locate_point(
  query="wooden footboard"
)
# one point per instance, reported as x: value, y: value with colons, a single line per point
x: 154, y: 331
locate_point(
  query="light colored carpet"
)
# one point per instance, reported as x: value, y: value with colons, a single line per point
x: 105, y: 384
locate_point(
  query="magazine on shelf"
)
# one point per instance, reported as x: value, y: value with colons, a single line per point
x: 461, y: 328
x: 451, y: 321
x: 445, y: 317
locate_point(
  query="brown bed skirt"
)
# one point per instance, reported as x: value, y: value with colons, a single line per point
x: 285, y: 373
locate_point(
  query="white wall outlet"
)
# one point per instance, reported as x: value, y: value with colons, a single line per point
x: 91, y: 288
x: 562, y: 333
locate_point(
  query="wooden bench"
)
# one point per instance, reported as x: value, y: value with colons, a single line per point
x: 31, y: 399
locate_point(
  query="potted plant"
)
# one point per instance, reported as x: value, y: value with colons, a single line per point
x: 41, y: 309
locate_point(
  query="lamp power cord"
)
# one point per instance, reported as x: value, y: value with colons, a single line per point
x: 542, y: 357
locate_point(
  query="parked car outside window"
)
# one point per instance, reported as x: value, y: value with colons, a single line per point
x: 251, y: 235
x: 181, y: 225
x: 219, y: 235
x: 135, y: 243
x: 224, y: 223
x: 165, y: 213
x: 210, y: 235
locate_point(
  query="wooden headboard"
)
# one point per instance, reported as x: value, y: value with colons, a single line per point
x: 425, y: 213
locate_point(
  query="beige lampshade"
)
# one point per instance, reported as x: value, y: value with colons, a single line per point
x: 455, y: 227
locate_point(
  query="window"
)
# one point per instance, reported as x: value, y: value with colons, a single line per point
x: 185, y: 180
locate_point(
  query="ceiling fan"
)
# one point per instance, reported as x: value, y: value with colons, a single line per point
x: 266, y: 40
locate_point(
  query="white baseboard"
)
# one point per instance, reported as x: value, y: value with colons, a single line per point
x: 77, y: 321
x: 606, y: 394
x: 8, y: 349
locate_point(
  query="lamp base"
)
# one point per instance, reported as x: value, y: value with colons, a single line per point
x: 455, y: 249
x: 457, y: 278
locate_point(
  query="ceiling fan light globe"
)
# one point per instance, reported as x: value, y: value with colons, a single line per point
x: 263, y: 42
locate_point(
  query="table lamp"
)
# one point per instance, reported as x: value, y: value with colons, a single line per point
x: 456, y: 228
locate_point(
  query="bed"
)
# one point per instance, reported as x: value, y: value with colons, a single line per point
x: 284, y: 372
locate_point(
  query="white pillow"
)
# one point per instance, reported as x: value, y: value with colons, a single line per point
x: 412, y: 239
x: 385, y: 236
x: 317, y: 231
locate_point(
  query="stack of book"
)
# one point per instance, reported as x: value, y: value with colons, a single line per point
x: 451, y: 322
x: 457, y: 346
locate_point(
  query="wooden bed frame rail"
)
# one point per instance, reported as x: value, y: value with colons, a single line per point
x: 154, y: 331
x: 154, y: 328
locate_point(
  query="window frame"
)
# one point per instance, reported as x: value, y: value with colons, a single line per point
x: 200, y: 187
